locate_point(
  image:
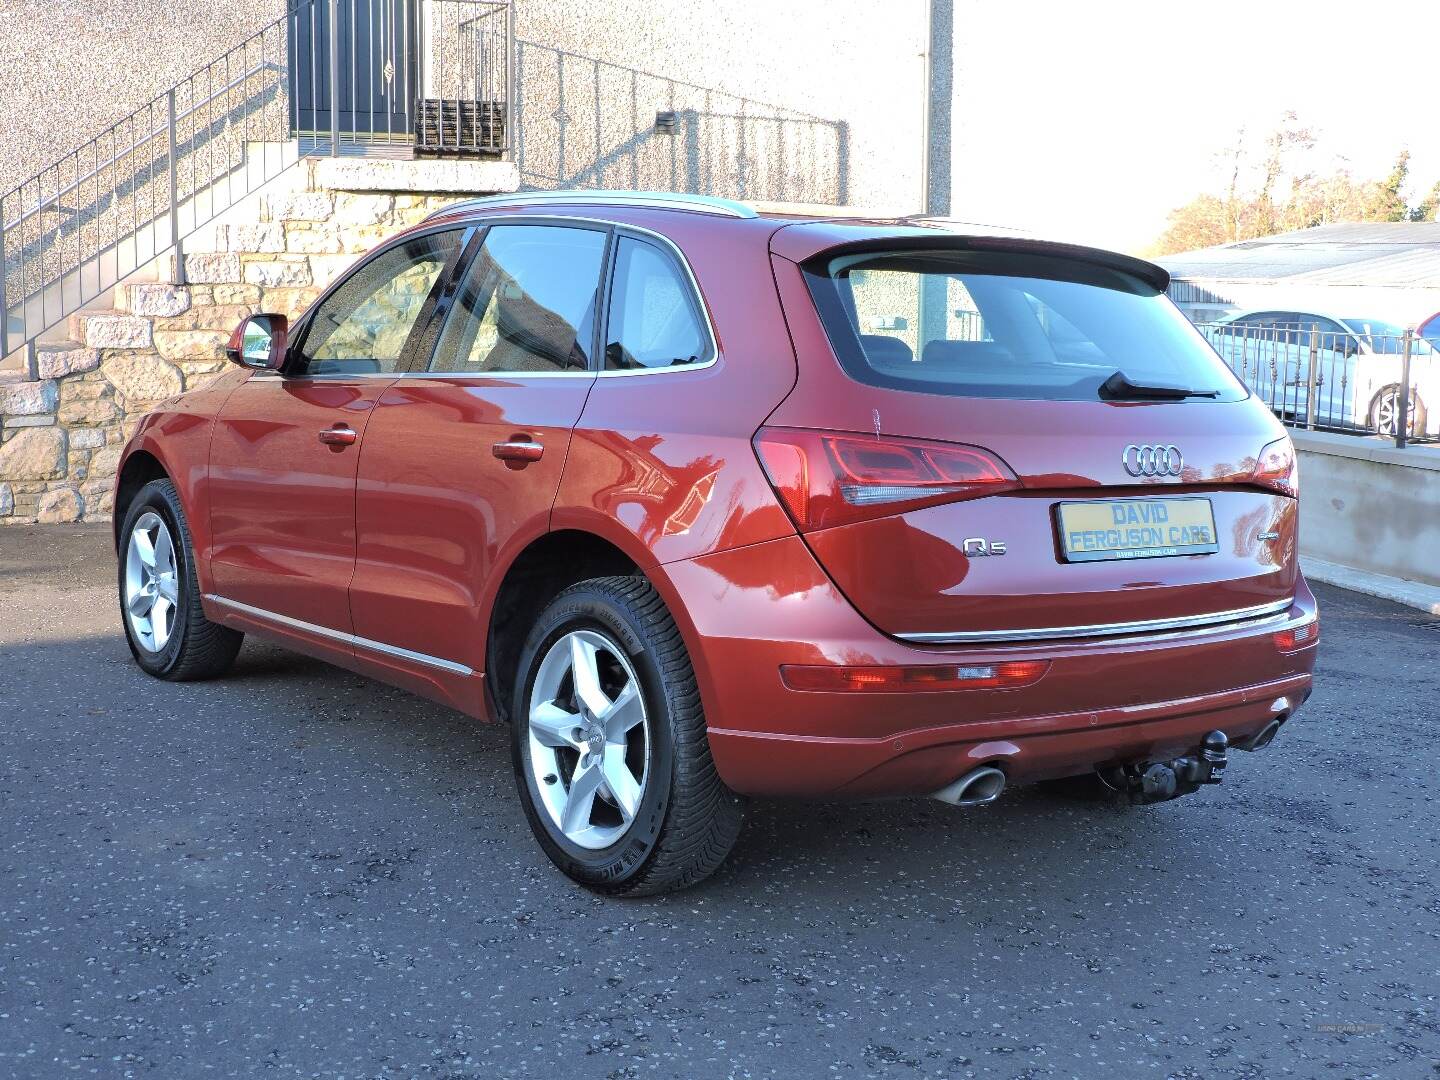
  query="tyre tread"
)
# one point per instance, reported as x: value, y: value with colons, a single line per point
x: 704, y: 817
x: 207, y: 649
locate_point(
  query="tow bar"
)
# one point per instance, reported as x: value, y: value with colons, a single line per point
x: 1157, y: 781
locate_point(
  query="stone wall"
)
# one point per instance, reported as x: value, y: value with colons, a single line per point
x: 61, y: 434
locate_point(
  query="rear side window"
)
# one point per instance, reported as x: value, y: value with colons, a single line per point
x: 1006, y: 325
x: 655, y: 320
x: 527, y: 303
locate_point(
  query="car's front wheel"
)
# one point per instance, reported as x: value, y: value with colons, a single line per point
x: 609, y: 746
x: 169, y: 635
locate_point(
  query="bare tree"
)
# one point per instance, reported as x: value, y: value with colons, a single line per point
x: 1253, y: 204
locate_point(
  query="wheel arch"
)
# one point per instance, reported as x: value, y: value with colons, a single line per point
x: 544, y: 568
x: 540, y: 571
x: 140, y: 467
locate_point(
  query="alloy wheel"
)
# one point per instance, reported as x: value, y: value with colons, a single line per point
x: 1387, y: 412
x: 152, y: 588
x: 589, y: 739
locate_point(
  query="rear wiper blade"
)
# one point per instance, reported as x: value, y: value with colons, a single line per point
x: 1120, y: 387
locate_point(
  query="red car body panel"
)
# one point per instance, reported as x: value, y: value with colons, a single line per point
x: 176, y: 435
x: 908, y: 572
x: 759, y: 607
x: 282, y: 504
x: 439, y: 516
x: 405, y: 537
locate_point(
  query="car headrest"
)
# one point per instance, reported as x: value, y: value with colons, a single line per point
x: 966, y: 354
x: 882, y: 350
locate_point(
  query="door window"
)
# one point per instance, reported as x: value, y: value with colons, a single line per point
x: 655, y: 320
x: 1294, y: 328
x: 361, y: 328
x: 527, y: 303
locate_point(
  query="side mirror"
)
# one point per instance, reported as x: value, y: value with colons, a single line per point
x: 260, y: 343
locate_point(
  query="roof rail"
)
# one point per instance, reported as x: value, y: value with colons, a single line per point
x: 658, y: 200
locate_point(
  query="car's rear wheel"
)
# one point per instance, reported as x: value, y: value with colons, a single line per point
x: 169, y: 635
x: 1385, y: 412
x: 611, y: 758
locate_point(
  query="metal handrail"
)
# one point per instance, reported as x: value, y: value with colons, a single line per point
x: 113, y: 193
x: 1316, y: 374
x: 120, y: 200
x: 183, y: 114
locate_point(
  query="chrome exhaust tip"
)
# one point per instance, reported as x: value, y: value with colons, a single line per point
x: 975, y: 788
x: 1266, y: 735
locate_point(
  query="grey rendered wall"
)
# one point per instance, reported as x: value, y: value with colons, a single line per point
x: 799, y: 101
x: 1370, y: 507
x: 802, y: 100
x: 73, y: 67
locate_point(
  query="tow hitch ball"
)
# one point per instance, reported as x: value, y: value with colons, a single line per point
x: 1157, y: 781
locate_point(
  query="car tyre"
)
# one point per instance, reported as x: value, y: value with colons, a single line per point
x: 1384, y: 409
x: 611, y: 757
x: 167, y: 630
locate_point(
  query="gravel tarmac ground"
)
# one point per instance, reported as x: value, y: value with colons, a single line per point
x: 295, y: 872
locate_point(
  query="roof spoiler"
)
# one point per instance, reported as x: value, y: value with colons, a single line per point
x: 830, y: 244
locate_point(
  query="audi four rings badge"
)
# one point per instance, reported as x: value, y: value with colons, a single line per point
x: 1153, y: 460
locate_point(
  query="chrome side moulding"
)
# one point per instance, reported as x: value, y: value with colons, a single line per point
x: 1214, y: 622
x: 340, y: 636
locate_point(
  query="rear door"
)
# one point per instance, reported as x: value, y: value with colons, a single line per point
x: 463, y: 454
x: 284, y: 454
x: 970, y: 480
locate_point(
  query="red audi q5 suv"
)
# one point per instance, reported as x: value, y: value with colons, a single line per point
x: 707, y: 504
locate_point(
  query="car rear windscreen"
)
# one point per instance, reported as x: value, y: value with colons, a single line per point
x: 1007, y: 325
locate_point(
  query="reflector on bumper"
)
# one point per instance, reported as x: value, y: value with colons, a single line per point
x: 1007, y: 675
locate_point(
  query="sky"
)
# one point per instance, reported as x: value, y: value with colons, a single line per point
x: 1090, y: 120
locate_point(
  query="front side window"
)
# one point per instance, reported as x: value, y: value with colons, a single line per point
x: 361, y: 328
x: 527, y: 303
x: 654, y: 318
x: 1007, y: 325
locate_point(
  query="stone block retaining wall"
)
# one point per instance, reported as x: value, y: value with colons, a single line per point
x: 61, y: 434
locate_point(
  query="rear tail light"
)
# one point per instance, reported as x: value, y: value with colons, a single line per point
x: 1277, y: 469
x: 1298, y: 637
x: 834, y: 478
x: 1007, y: 675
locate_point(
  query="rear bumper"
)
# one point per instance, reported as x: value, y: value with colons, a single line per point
x: 748, y: 611
x: 921, y: 761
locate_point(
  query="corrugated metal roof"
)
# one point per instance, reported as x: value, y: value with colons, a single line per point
x: 1402, y: 253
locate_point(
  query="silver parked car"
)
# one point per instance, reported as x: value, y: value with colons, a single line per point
x: 1358, y: 367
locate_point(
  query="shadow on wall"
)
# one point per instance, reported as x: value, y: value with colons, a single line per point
x: 583, y: 123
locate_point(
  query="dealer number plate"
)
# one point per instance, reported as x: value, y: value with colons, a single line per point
x: 1136, y: 529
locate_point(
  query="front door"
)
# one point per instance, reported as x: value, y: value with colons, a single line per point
x: 285, y: 449
x: 463, y: 457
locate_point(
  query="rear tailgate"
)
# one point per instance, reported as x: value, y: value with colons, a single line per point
x: 1213, y: 541
x: 920, y: 572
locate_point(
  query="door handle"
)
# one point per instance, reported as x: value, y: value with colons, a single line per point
x: 518, y: 449
x: 339, y: 435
